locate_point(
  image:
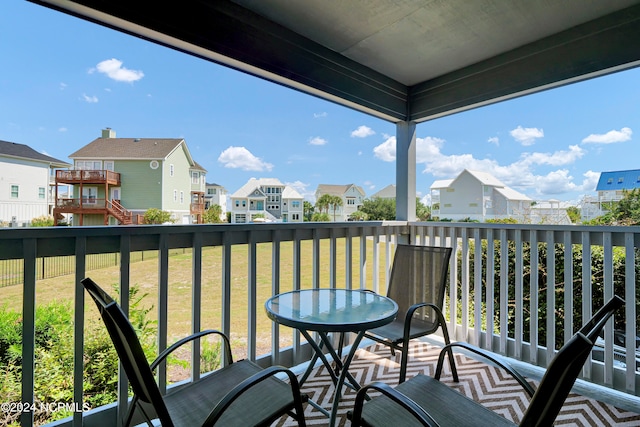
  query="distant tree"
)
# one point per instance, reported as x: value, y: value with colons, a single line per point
x: 574, y: 214
x: 321, y: 217
x: 624, y: 212
x: 423, y: 212
x: 335, y: 202
x: 307, y: 209
x: 157, y: 216
x: 359, y: 216
x: 213, y: 214
x: 323, y: 203
x: 379, y: 209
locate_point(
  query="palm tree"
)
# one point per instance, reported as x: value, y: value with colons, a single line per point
x: 323, y: 202
x: 335, y: 201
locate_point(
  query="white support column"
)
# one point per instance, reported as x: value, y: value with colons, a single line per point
x: 406, y: 171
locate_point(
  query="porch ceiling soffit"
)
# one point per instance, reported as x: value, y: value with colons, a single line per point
x: 409, y: 60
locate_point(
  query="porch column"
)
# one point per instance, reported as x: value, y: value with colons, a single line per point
x: 406, y: 171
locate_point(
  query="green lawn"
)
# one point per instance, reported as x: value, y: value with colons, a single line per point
x: 145, y: 275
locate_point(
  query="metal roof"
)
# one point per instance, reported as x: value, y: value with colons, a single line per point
x: 400, y: 60
x: 619, y: 180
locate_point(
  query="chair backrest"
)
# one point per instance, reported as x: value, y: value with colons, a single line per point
x: 419, y: 274
x: 565, y: 368
x: 129, y: 350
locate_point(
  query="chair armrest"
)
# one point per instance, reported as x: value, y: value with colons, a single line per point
x: 245, y: 385
x: 408, y: 404
x: 492, y: 357
x: 178, y: 344
x: 413, y: 308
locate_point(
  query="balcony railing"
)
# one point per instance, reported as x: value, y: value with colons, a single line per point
x: 502, y: 279
x: 87, y: 177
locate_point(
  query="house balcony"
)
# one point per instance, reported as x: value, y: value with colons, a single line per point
x: 497, y: 283
x: 93, y: 206
x: 87, y: 177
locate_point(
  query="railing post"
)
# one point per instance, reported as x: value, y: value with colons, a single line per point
x: 29, y: 248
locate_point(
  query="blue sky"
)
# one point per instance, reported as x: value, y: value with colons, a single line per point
x: 63, y: 80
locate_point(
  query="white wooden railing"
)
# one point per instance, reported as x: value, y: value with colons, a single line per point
x: 487, y: 256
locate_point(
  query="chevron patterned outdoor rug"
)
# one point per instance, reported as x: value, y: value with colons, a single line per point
x: 483, y: 383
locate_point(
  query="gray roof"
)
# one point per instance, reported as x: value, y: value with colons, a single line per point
x: 254, y: 183
x: 337, y: 190
x: 21, y: 151
x: 409, y: 60
x: 128, y: 148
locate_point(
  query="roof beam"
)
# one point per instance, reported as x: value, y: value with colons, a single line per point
x: 595, y: 48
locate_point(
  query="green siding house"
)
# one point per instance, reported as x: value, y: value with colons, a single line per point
x: 116, y: 180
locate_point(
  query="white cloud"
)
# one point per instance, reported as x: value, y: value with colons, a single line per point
x: 521, y: 174
x: 90, y: 99
x: 302, y: 188
x: 241, y: 158
x: 494, y: 140
x: 526, y: 136
x: 317, y: 141
x: 63, y: 86
x: 610, y: 137
x: 320, y: 115
x: 62, y: 129
x: 114, y: 70
x: 362, y: 132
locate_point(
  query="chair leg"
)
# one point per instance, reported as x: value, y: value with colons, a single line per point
x: 404, y: 359
x: 452, y: 361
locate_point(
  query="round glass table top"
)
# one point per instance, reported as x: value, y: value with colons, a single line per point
x: 331, y: 310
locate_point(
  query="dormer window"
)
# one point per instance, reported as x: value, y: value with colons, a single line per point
x: 620, y: 180
x: 610, y: 181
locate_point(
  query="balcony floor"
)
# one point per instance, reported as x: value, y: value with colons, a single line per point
x: 478, y: 381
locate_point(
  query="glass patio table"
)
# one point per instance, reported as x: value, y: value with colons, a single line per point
x: 331, y: 310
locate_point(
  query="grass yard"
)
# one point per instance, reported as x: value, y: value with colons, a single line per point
x: 144, y: 274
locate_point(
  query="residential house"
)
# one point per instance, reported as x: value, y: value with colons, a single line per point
x: 25, y: 183
x: 266, y: 199
x: 216, y: 194
x: 352, y: 198
x: 610, y: 188
x: 477, y: 196
x: 116, y: 180
x: 549, y: 212
x: 388, y: 192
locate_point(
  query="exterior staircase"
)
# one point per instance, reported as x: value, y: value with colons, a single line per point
x: 118, y: 211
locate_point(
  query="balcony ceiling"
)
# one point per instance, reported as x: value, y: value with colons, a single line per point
x: 396, y: 59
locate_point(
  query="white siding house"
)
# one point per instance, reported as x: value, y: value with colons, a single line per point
x: 477, y: 196
x: 25, y: 183
x: 352, y: 198
x: 266, y: 198
x: 216, y: 194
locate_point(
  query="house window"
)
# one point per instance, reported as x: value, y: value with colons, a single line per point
x: 447, y: 205
x: 473, y: 205
x: 41, y: 193
x: 244, y: 203
x: 108, y: 165
x: 211, y: 191
x: 195, y: 178
x: 181, y: 197
x: 89, y: 165
x: 451, y: 190
x: 295, y: 217
x: 175, y: 195
x: 351, y: 201
x: 237, y: 203
x: 89, y: 195
x: 170, y: 170
x: 620, y: 180
x: 14, y: 191
x: 295, y: 204
x: 610, y: 181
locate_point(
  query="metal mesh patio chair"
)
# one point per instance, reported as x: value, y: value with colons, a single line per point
x: 425, y: 401
x: 417, y: 284
x: 239, y: 394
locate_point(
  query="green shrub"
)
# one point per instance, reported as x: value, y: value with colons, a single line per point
x: 42, y: 221
x: 157, y: 216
